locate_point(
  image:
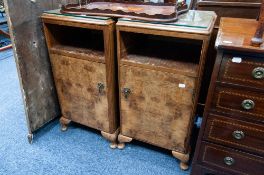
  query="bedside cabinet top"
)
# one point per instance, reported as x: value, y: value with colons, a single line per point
x: 193, y: 22
x: 236, y: 34
x: 57, y: 15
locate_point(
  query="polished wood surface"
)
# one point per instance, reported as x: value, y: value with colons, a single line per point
x: 257, y: 39
x: 237, y: 37
x: 231, y: 136
x: 240, y: 163
x: 239, y: 69
x: 223, y: 8
x: 82, y: 56
x: 159, y: 88
x: 190, y: 23
x: 229, y: 100
x: 147, y: 11
x: 78, y: 94
x: 222, y: 130
x: 248, y: 9
x: 156, y: 103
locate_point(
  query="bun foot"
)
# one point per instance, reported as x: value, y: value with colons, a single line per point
x: 112, y: 138
x: 30, y: 138
x: 122, y: 140
x: 64, y: 128
x: 113, y: 145
x: 184, y: 166
x: 64, y: 123
x: 184, y: 158
x: 121, y: 145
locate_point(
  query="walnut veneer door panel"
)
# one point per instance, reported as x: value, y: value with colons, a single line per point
x: 157, y: 110
x: 230, y: 161
x: 244, y: 70
x: 235, y: 133
x: 77, y: 87
x: 239, y: 102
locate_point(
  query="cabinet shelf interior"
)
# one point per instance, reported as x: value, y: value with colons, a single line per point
x: 76, y: 40
x: 161, y: 51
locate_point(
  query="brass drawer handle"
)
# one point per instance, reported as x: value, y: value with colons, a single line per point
x: 126, y: 92
x: 238, y: 135
x: 229, y: 161
x: 248, y: 104
x: 100, y: 87
x: 258, y: 73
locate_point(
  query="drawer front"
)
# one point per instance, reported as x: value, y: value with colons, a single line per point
x: 200, y: 170
x: 239, y: 102
x: 248, y: 71
x: 230, y: 160
x: 77, y: 83
x: 156, y: 110
x: 235, y: 133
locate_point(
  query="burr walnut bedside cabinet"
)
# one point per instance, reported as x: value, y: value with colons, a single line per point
x: 160, y: 70
x: 231, y: 139
x: 82, y: 56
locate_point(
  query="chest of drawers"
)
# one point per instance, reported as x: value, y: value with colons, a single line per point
x: 231, y: 140
x: 81, y: 51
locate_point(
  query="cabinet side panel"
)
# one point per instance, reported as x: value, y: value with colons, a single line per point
x: 31, y: 56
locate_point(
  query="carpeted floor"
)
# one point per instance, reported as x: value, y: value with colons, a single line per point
x: 78, y: 151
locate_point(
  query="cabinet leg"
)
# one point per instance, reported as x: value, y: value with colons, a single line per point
x: 30, y: 138
x: 64, y: 123
x: 184, y: 158
x: 111, y: 137
x: 122, y: 140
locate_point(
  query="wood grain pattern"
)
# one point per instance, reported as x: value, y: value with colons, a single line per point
x: 159, y: 81
x: 158, y: 12
x: 201, y: 170
x: 221, y: 129
x: 237, y: 37
x: 82, y: 54
x: 257, y: 38
x: 76, y: 84
x: 213, y: 156
x: 31, y: 56
x: 157, y: 102
x: 229, y: 100
x: 241, y: 72
x: 248, y: 9
x: 224, y: 114
x: 154, y: 52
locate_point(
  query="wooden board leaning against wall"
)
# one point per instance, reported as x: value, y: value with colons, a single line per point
x: 31, y: 56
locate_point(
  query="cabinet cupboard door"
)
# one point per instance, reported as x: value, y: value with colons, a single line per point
x: 156, y: 107
x: 81, y: 87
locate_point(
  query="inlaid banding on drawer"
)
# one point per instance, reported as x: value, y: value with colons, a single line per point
x: 235, y: 133
x: 242, y: 70
x: 235, y: 162
x: 239, y: 102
